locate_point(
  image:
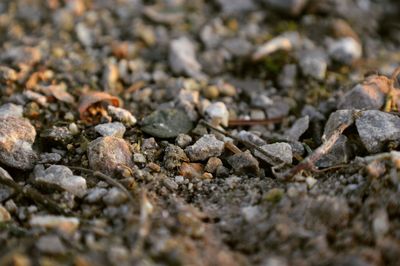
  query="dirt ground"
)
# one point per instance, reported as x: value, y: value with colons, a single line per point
x: 223, y: 132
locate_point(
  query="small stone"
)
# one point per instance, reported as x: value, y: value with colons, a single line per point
x: 5, y: 191
x: 65, y: 224
x: 183, y: 140
x: 380, y: 223
x: 191, y: 170
x: 73, y: 128
x: 115, y: 129
x: 279, y: 108
x: 182, y: 58
x: 85, y: 36
x: 24, y: 55
x: 274, y: 195
x: 244, y: 163
x: 107, y: 154
x: 63, y: 177
x: 217, y: 113
x: 290, y: 7
x: 345, y: 50
x: 287, y: 78
x: 206, y: 147
x: 139, y: 158
x: 236, y: 6
x: 311, y: 181
x: 179, y: 179
x: 335, y: 120
x: 371, y: 94
x: 238, y: 47
x: 284, y: 42
x: 115, y: 196
x: 51, y: 244
x: 247, y: 136
x: 279, y: 153
x: 212, y: 164
x: 16, y: 138
x: 167, y: 123
x: 58, y: 134
x: 173, y: 157
x: 211, y: 92
x: 222, y: 171
x: 298, y: 128
x: 377, y: 129
x: 314, y: 63
x: 4, y: 215
x: 7, y: 74
x: 340, y: 153
x: 250, y: 213
x: 10, y: 109
x: 122, y: 115
x: 187, y: 101
x: 50, y: 157
x: 170, y: 184
x: 94, y: 195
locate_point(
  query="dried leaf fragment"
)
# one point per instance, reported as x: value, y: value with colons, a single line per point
x: 94, y: 98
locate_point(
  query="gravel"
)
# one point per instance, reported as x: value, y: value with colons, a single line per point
x: 278, y: 153
x: 206, y: 147
x: 115, y: 129
x: 244, y: 163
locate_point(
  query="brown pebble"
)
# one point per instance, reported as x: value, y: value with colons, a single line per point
x: 212, y: 164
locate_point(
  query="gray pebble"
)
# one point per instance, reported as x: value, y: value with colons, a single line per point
x: 115, y: 196
x: 345, y: 50
x: 314, y: 63
x: 51, y: 244
x: 298, y: 128
x: 10, y: 109
x: 377, y: 129
x: 16, y: 138
x: 115, y: 129
x: 206, y: 147
x: 278, y: 153
x: 183, y: 140
x: 244, y: 163
x: 122, y: 115
x: 50, y: 157
x: 94, y: 195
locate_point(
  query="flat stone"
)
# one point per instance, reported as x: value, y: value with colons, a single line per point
x: 107, y: 154
x: 63, y: 177
x: 16, y: 138
x: 10, y: 109
x: 182, y: 58
x: 244, y: 163
x: 65, y: 224
x: 206, y: 147
x: 115, y: 129
x: 167, y: 123
x: 377, y: 129
x: 278, y: 153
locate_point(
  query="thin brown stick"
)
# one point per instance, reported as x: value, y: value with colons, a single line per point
x: 33, y: 194
x: 309, y: 162
x: 253, y: 122
x: 105, y: 178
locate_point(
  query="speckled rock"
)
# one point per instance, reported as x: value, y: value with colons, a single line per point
x: 106, y: 154
x: 122, y: 115
x: 206, y: 147
x: 278, y: 153
x: 173, y: 157
x: 115, y: 129
x: 16, y: 138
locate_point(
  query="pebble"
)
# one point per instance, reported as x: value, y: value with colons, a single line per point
x: 212, y: 165
x: 187, y: 101
x: 115, y: 196
x: 340, y: 153
x: 290, y: 7
x: 284, y: 42
x: 377, y: 129
x: 287, y: 77
x: 183, y: 140
x: 94, y: 195
x: 280, y: 108
x: 122, y: 115
x: 250, y: 137
x: 49, y: 157
x: 380, y: 223
x: 115, y: 129
x: 250, y: 213
x: 5, y: 191
x: 244, y: 163
x: 51, y: 244
x: 314, y: 63
x: 280, y: 152
x: 335, y: 120
x: 371, y: 94
x: 345, y: 50
x: 62, y: 223
x: 139, y: 158
x: 107, y: 154
x: 10, y: 109
x: 61, y: 176
x: 7, y: 74
x: 298, y: 128
x: 218, y: 114
x: 206, y: 147
x: 236, y: 6
x: 4, y: 214
x: 274, y: 195
x: 238, y: 47
x: 167, y: 123
x: 173, y: 157
x: 16, y: 138
x: 182, y: 58
x: 58, y: 134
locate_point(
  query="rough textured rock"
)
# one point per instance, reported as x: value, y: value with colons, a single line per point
x: 206, y: 147
x: 174, y: 156
x: 115, y: 129
x: 107, y: 154
x: 298, y: 128
x: 16, y: 138
x: 278, y: 153
x: 340, y: 153
x: 10, y: 109
x: 217, y: 113
x: 244, y: 163
x: 62, y: 177
x: 377, y: 129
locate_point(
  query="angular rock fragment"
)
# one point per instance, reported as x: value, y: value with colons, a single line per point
x: 182, y: 58
x: 284, y: 42
x: 377, y: 129
x: 174, y: 156
x: 61, y: 176
x: 244, y: 163
x: 340, y: 153
x: 16, y: 138
x: 122, y: 115
x: 298, y: 128
x: 108, y: 154
x: 115, y: 129
x: 278, y: 153
x: 217, y: 113
x: 212, y: 165
x: 206, y: 147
